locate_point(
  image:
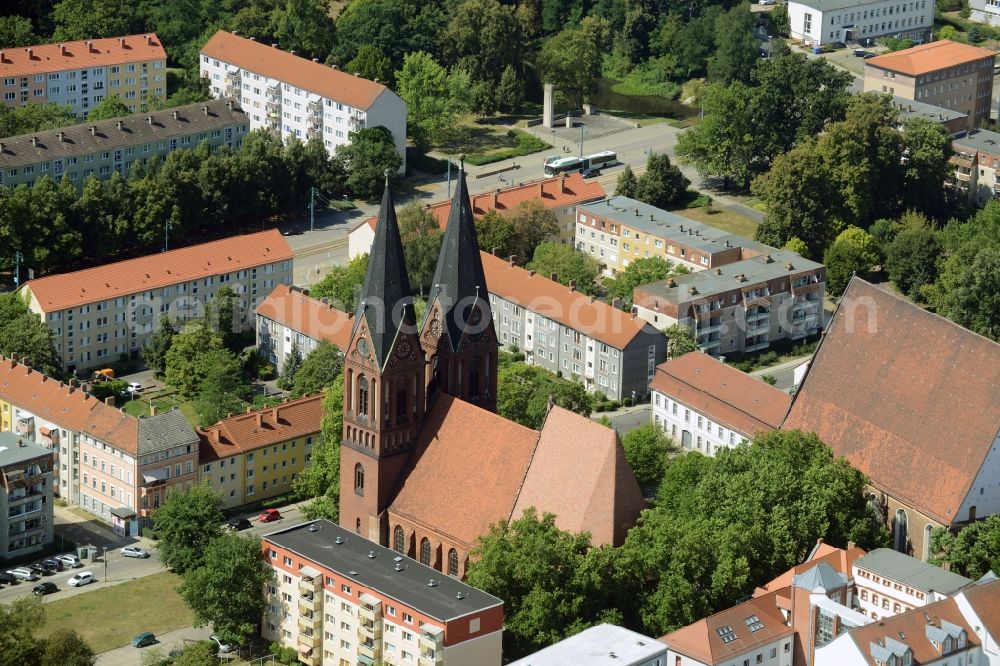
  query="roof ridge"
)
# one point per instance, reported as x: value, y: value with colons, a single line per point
x: 726, y: 402
x: 527, y: 468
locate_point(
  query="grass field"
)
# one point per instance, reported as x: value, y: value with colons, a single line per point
x: 163, y: 401
x: 110, y: 617
x: 725, y: 220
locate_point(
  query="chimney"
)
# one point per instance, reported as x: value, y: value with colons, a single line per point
x: 531, y: 273
x: 30, y: 52
x: 174, y: 114
x: 74, y: 382
x: 93, y: 130
x: 315, y: 59
x: 554, y: 277
x: 335, y: 66
x: 693, y: 290
x: 152, y: 410
x: 768, y: 259
x: 149, y: 119
x: 671, y: 282
x: 3, y: 56
x: 204, y: 110
x: 727, y: 243
x: 62, y: 49
x: 110, y: 401
x: 789, y: 266
x: 90, y: 46
x: 718, y: 271
x: 260, y: 419
x: 850, y: 545
x: 149, y: 40
x: 291, y: 51
x: 61, y: 135
x: 572, y: 286
x: 273, y: 45
x: 681, y: 228
x: 34, y: 141
x: 229, y: 104
x: 616, y: 303
x: 213, y: 435
x: 562, y: 184
x: 637, y: 212
x: 496, y: 195
x: 541, y: 189
x: 651, y: 217
x: 4, y: 149
x: 121, y: 125
x: 121, y: 42
x: 511, y: 259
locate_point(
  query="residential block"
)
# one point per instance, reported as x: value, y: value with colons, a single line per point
x: 26, y: 484
x: 289, y: 318
x: 819, y: 22
x: 889, y: 583
x: 975, y: 158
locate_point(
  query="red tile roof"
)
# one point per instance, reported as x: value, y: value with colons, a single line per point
x: 570, y: 308
x: 462, y: 485
x: 237, y: 253
x: 254, y: 430
x: 597, y: 493
x: 722, y: 393
x: 553, y: 193
x: 78, y: 55
x: 985, y: 601
x: 842, y: 560
x: 309, y: 316
x: 66, y: 406
x: 274, y: 63
x: 908, y: 397
x: 929, y: 57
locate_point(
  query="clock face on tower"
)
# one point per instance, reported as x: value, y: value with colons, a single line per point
x: 363, y: 347
x: 404, y: 350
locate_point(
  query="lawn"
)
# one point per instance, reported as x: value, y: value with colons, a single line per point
x: 723, y: 219
x: 163, y: 401
x: 108, y: 618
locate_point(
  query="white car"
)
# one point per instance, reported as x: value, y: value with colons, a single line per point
x: 223, y: 646
x: 134, y: 551
x: 70, y: 560
x: 23, y: 573
x: 82, y: 578
x: 134, y: 387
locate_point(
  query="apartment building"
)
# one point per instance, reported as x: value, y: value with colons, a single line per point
x: 819, y: 22
x: 944, y: 73
x: 251, y: 457
x: 600, y: 645
x: 80, y: 74
x: 99, y: 315
x: 706, y: 405
x: 299, y: 98
x: 104, y: 147
x: 620, y: 230
x: 289, y: 318
x: 985, y: 11
x: 742, y: 307
x: 113, y: 465
x: 570, y: 333
x: 889, y: 583
x: 561, y: 195
x: 26, y: 482
x: 338, y: 598
x: 976, y: 158
x: 954, y: 122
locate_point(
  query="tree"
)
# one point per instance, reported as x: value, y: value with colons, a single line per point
x: 737, y: 50
x: 65, y: 647
x: 18, y: 620
x: 571, y: 61
x: 798, y: 246
x: 304, y: 26
x: 533, y: 223
x: 227, y: 590
x: 421, y: 235
x: 638, y: 272
x: 293, y: 361
x: 628, y: 184
x: 568, y: 265
x: 109, y: 107
x: 222, y: 390
x: 663, y: 184
x: 510, y: 92
x: 372, y: 64
x: 319, y: 370
x: 972, y: 552
x: 911, y: 260
x: 432, y: 98
x: 842, y: 261
x: 541, y: 574
x: 34, y: 118
x: 320, y: 479
x: 646, y: 449
x: 154, y: 352
x: 93, y: 19
x: 185, y: 369
x: 970, y: 293
x: 186, y: 523
x: 680, y: 340
x: 370, y: 153
x: 16, y: 31
x: 927, y: 151
x: 343, y: 284
x: 483, y: 37
x: 524, y: 392
x: 496, y: 233
x: 221, y: 314
x: 202, y: 653
x: 22, y: 332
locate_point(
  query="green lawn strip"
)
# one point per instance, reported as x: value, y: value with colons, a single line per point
x: 163, y: 402
x: 723, y: 219
x: 525, y: 144
x: 108, y: 618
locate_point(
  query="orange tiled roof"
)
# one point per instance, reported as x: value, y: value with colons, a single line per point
x: 153, y: 271
x: 309, y: 316
x: 80, y: 54
x: 256, y: 429
x: 722, y: 393
x: 66, y: 406
x: 908, y: 397
x: 929, y: 57
x: 597, y: 493
x: 842, y: 560
x: 553, y: 193
x: 571, y: 308
x: 299, y: 72
x: 459, y: 482
x: 985, y: 601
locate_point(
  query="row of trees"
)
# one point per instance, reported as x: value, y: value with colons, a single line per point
x: 22, y: 332
x: 20, y: 646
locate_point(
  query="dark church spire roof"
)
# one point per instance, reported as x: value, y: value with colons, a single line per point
x: 386, y: 302
x: 458, y: 279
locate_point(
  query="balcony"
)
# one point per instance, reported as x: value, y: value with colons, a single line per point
x: 314, y: 133
x: 757, y: 347
x: 755, y: 300
x: 369, y: 632
x: 310, y: 582
x: 370, y: 609
x: 312, y: 658
x: 309, y: 638
x: 273, y: 93
x: 370, y: 649
x: 315, y: 107
x: 310, y: 624
x: 309, y: 604
x: 355, y: 122
x: 273, y: 107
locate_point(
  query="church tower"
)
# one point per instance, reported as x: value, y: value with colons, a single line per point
x: 457, y: 333
x: 384, y: 382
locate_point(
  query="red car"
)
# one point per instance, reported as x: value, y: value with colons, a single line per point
x: 269, y: 515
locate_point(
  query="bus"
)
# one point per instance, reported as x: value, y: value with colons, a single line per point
x: 555, y: 165
x: 600, y: 160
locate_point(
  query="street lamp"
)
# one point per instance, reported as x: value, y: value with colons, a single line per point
x: 105, y: 564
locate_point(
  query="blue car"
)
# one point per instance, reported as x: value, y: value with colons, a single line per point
x: 144, y: 639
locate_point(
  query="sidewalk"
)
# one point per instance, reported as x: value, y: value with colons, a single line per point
x: 89, y: 530
x: 787, y: 365
x: 130, y: 656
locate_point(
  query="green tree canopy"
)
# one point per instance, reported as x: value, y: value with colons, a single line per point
x: 911, y: 260
x: 627, y: 184
x: 16, y: 31
x: 372, y: 64
x: 737, y: 50
x: 188, y: 359
x: 640, y: 271
x: 186, y: 523
x: 370, y: 153
x: 571, y: 61
x: 93, y: 19
x: 523, y: 393
x: 202, y: 653
x: 222, y: 390
x: 109, y: 107
x: 647, y: 449
x: 34, y: 118
x: 568, y: 265
x: 65, y: 647
x: 320, y: 479
x: 154, y: 352
x: 432, y: 97
x: 18, y: 621
x: 22, y: 332
x: 304, y: 26
x: 663, y: 184
x: 342, y: 284
x: 972, y: 552
x: 510, y: 91
x: 496, y: 233
x: 680, y: 340
x: 320, y: 369
x: 293, y: 361
x: 483, y: 37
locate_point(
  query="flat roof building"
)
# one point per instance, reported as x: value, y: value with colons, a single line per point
x: 953, y: 121
x: 819, y: 22
x: 596, y: 646
x: 26, y: 484
x: 975, y: 159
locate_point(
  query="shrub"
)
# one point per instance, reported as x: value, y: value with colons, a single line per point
x: 149, y: 533
x: 770, y: 379
x: 284, y: 655
x: 626, y: 402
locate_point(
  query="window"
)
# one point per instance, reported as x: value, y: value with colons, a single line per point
x: 425, y: 551
x: 452, y: 562
x: 398, y: 539
x: 359, y: 479
x: 363, y: 398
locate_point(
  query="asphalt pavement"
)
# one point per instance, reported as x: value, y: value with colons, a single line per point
x: 131, y: 656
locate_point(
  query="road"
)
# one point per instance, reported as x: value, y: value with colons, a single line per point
x: 626, y: 419
x: 782, y: 373
x: 130, y: 656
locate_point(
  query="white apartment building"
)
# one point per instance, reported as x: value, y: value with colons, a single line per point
x: 26, y: 482
x: 288, y: 318
x: 889, y: 582
x: 600, y: 645
x: 706, y: 405
x: 819, y: 22
x: 99, y: 315
x: 299, y: 98
x: 338, y: 598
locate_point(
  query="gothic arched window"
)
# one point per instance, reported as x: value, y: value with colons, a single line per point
x: 359, y: 479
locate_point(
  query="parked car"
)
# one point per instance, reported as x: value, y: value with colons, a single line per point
x: 223, y: 646
x: 44, y: 588
x: 52, y: 565
x: 143, y: 639
x: 269, y: 515
x: 38, y: 568
x: 70, y: 560
x: 7, y: 578
x: 591, y: 173
x: 869, y: 56
x: 134, y: 551
x: 239, y: 524
x: 291, y: 232
x: 859, y: 53
x: 81, y: 579
x: 23, y: 573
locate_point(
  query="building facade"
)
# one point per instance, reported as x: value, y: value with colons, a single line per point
x: 295, y: 97
x: 338, y: 598
x: 100, y: 315
x: 706, y: 405
x: 976, y: 158
x: 26, y: 483
x: 889, y: 582
x: 251, y: 457
x: 947, y: 74
x: 954, y: 122
x: 742, y: 307
x: 985, y: 11
x: 80, y: 74
x: 819, y: 22
x: 105, y: 147
x: 567, y: 332
x: 289, y: 318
